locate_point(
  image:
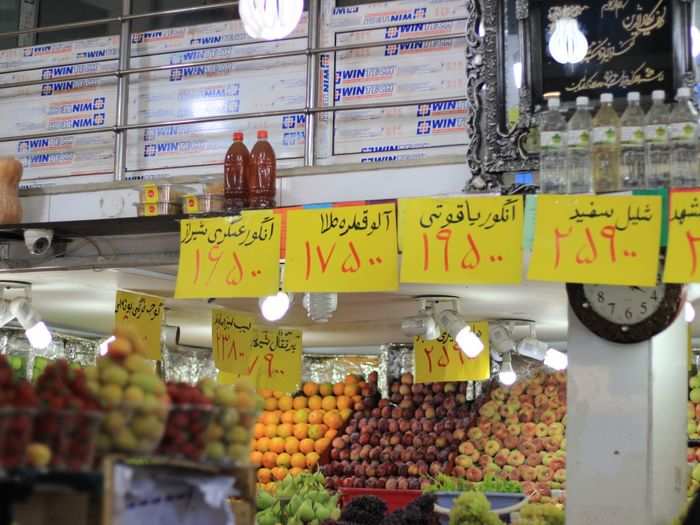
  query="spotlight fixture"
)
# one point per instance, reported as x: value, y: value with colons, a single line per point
x: 320, y: 306
x: 275, y: 307
x: 104, y: 345
x: 270, y: 19
x: 34, y: 328
x: 501, y: 338
x: 507, y: 375
x: 568, y: 45
x: 421, y: 325
x: 556, y: 360
x: 461, y: 332
x: 689, y: 312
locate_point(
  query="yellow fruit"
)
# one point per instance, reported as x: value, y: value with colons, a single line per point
x: 111, y: 395
x: 39, y: 455
x: 312, y: 459
x: 291, y: 445
x: 301, y: 416
x: 283, y: 459
x: 270, y: 403
x: 328, y: 403
x: 299, y: 402
x: 298, y: 460
x: 133, y: 396
x: 285, y: 403
x: 114, y: 421
x: 326, y: 389
x: 315, y: 402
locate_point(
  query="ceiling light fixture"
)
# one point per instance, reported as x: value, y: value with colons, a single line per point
x: 518, y: 74
x: 460, y: 332
x: 556, y: 360
x: 34, y: 328
x: 422, y: 325
x: 567, y: 45
x: 320, y: 306
x: 270, y: 19
x: 695, y: 41
x: 104, y: 345
x: 689, y: 312
x: 507, y: 375
x: 275, y: 307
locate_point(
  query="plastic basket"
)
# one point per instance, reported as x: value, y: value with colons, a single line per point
x: 16, y: 430
x: 394, y: 499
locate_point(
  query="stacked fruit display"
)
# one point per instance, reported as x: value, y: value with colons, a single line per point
x: 295, y: 431
x: 190, y: 414
x: 69, y: 418
x: 694, y: 433
x: 18, y: 406
x: 133, y: 396
x: 307, y: 502
x: 404, y: 439
x: 228, y: 436
x: 520, y: 436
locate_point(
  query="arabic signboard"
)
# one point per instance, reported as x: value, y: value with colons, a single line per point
x: 442, y: 360
x: 229, y: 256
x: 630, y: 48
x: 143, y: 315
x: 342, y: 249
x: 231, y: 335
x: 275, y: 359
x: 597, y: 239
x: 461, y: 241
x: 682, y: 263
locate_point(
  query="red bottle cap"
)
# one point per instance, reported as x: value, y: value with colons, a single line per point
x: 238, y: 136
x: 262, y: 133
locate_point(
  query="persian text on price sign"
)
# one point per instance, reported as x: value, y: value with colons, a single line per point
x: 458, y: 240
x: 144, y: 315
x: 229, y: 256
x: 231, y: 334
x: 275, y: 359
x: 597, y: 239
x: 682, y: 263
x: 343, y: 249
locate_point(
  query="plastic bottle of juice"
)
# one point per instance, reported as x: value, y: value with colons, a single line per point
x: 657, y: 144
x: 632, y: 152
x: 235, y: 174
x: 578, y: 151
x: 606, y: 147
x: 553, y: 177
x: 262, y: 174
x: 683, y: 124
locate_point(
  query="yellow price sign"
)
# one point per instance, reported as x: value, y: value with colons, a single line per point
x: 442, y: 360
x: 276, y: 359
x: 344, y: 249
x: 597, y: 239
x: 682, y: 263
x: 143, y: 315
x: 461, y: 240
x: 229, y: 256
x: 231, y: 335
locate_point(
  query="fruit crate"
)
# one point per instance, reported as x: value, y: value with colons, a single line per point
x: 394, y: 499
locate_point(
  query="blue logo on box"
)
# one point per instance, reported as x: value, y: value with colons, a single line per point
x: 149, y: 150
x: 423, y: 127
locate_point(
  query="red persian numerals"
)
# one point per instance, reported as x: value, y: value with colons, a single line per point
x: 441, y: 359
x: 588, y: 252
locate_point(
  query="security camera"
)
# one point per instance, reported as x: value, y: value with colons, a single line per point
x: 38, y: 241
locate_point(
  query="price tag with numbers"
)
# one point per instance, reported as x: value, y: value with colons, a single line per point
x: 442, y: 360
x: 144, y: 315
x: 343, y: 249
x: 459, y: 241
x: 276, y: 360
x: 229, y: 256
x: 597, y: 239
x: 231, y: 335
x: 682, y: 264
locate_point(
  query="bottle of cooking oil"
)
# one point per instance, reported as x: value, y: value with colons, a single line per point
x: 658, y: 147
x: 632, y: 153
x: 553, y: 177
x: 606, y: 147
x: 683, y: 124
x: 578, y: 149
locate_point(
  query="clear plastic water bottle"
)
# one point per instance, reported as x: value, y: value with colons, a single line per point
x: 578, y: 149
x: 606, y: 146
x: 632, y: 152
x: 683, y: 125
x: 658, y: 147
x: 553, y: 178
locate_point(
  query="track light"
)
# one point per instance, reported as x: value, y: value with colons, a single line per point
x: 275, y: 307
x: 689, y: 312
x: 556, y: 359
x: 34, y: 328
x: 422, y: 325
x: 501, y: 338
x: 507, y: 375
x: 533, y: 348
x: 320, y: 306
x: 104, y: 345
x: 461, y: 332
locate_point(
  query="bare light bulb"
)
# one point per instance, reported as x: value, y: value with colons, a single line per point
x: 469, y: 343
x: 567, y: 45
x: 518, y: 74
x: 507, y: 375
x: 275, y: 307
x: 39, y: 336
x: 695, y: 41
x: 556, y: 360
x: 689, y: 312
x: 270, y: 19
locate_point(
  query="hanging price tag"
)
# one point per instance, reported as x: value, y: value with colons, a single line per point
x: 143, y: 314
x: 231, y: 335
x: 460, y: 241
x: 229, y: 256
x: 442, y: 360
x: 275, y: 360
x: 682, y: 263
x: 597, y: 239
x: 345, y: 249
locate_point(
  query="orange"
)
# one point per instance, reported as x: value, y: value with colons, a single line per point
x: 351, y: 379
x: 279, y: 473
x: 306, y: 445
x: 262, y: 444
x: 256, y: 457
x: 295, y: 471
x: 301, y: 430
x: 325, y: 389
x: 331, y: 434
x: 283, y: 459
x: 264, y: 475
x: 270, y: 418
x: 316, y: 417
x: 277, y: 445
x: 270, y: 430
x: 333, y: 419
x: 265, y: 393
x: 343, y: 402
x: 315, y: 432
x: 357, y: 399
x: 298, y: 460
x: 321, y: 445
x: 285, y: 403
x: 351, y: 390
x: 269, y: 459
x: 323, y: 428
x: 345, y: 413
x: 328, y: 403
x: 285, y: 430
x: 312, y: 459
x: 315, y: 402
x: 310, y: 389
x: 259, y: 430
x: 301, y: 416
x: 299, y: 402
x: 270, y: 403
x: 338, y: 389
x: 277, y: 394
x: 288, y: 416
x: 291, y: 445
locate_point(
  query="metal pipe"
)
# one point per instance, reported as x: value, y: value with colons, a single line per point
x: 122, y: 116
x: 312, y: 61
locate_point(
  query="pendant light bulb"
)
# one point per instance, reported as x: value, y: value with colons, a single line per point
x: 275, y: 307
x: 270, y: 19
x: 689, y: 312
x: 507, y: 375
x: 568, y: 45
x: 556, y: 360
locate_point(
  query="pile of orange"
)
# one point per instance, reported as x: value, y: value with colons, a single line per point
x: 292, y: 433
